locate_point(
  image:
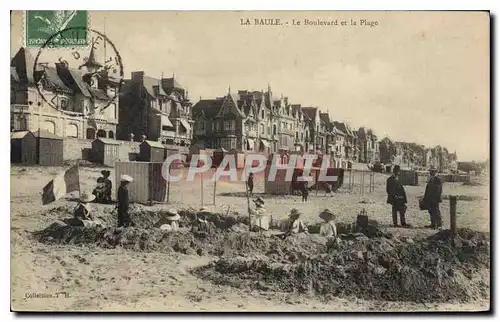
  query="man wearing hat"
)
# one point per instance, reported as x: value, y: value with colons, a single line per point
x: 83, y: 209
x: 296, y: 225
x: 260, y: 220
x: 396, y: 196
x: 328, y: 228
x: 172, y: 217
x: 123, y: 202
x: 250, y: 183
x: 201, y: 224
x: 432, y: 198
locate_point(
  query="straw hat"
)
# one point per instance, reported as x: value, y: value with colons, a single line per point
x: 126, y: 178
x: 105, y: 173
x: 433, y: 170
x: 326, y: 215
x: 172, y: 215
x: 295, y: 213
x: 86, y: 197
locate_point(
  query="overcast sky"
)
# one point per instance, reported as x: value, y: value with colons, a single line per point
x: 416, y: 76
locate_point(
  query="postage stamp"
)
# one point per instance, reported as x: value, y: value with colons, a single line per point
x: 40, y: 25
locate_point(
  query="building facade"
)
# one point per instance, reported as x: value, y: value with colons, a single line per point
x: 157, y: 109
x: 253, y: 121
x: 65, y: 101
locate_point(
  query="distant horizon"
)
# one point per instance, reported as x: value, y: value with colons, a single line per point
x: 419, y: 77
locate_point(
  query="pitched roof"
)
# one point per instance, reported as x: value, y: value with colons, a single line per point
x: 248, y: 101
x: 73, y: 79
x: 24, y: 64
x: 170, y: 83
x: 52, y: 77
x: 154, y: 144
x: 341, y: 127
x: 18, y: 134
x: 295, y: 108
x: 310, y: 112
x: 239, y: 103
x: 149, y: 84
x: 324, y: 117
x: 159, y: 90
x: 44, y: 134
x: 208, y: 108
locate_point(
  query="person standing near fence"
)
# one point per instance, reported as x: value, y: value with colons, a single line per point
x: 432, y: 198
x: 396, y: 196
x: 123, y: 202
x: 250, y: 183
x: 304, y: 189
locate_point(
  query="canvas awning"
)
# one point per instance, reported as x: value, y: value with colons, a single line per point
x: 265, y: 143
x: 165, y: 121
x: 251, y: 143
x: 186, y: 125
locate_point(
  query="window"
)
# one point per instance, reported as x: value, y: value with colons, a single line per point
x: 111, y: 135
x: 90, y: 134
x: 274, y: 130
x: 229, y: 125
x: 261, y: 128
x: 262, y: 114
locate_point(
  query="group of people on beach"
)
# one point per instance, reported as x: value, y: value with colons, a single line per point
x: 260, y: 219
x: 102, y: 194
x: 293, y: 225
x: 396, y: 197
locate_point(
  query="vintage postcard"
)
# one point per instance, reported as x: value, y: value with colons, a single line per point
x: 250, y: 161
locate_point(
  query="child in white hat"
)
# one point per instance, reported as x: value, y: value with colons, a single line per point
x: 328, y: 228
x: 83, y: 209
x: 172, y: 217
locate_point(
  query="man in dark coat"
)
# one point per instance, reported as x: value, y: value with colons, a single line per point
x: 123, y: 202
x: 396, y: 196
x: 250, y: 183
x: 432, y: 198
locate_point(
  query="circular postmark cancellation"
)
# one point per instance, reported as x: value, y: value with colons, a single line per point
x: 81, y: 70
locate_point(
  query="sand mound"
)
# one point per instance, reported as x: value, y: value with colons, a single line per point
x: 378, y: 268
x: 368, y: 264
